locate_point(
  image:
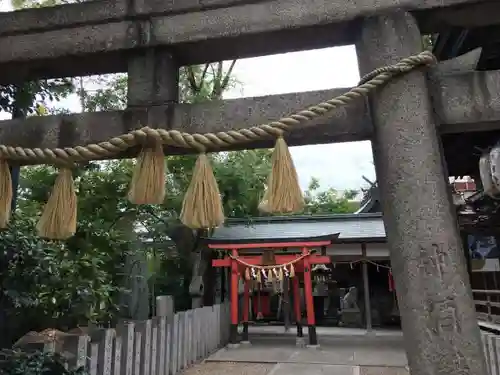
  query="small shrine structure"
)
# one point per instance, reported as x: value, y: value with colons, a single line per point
x: 256, y: 262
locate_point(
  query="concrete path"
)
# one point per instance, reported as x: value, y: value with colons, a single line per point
x: 226, y: 368
x: 340, y: 353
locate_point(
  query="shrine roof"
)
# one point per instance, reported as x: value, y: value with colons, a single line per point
x: 351, y: 228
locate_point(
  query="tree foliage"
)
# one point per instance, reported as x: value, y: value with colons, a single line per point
x: 329, y: 201
x: 63, y: 284
x: 428, y: 41
x: 30, y: 98
x: 111, y: 93
x: 16, y: 362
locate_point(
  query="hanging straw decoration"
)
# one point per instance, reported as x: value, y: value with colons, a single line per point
x: 5, y: 193
x: 270, y: 275
x: 264, y: 274
x: 283, y: 194
x: 58, y: 220
x: 276, y: 274
x: 202, y: 206
x: 280, y: 274
x: 269, y: 272
x: 287, y: 274
x: 148, y: 179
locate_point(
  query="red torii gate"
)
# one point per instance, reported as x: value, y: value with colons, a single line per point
x: 245, y: 266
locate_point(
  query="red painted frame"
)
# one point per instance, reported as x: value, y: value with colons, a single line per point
x: 256, y: 260
x: 303, y: 266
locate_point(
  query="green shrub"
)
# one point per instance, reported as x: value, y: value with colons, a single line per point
x: 16, y: 362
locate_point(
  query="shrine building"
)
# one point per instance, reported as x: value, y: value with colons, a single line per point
x: 341, y: 265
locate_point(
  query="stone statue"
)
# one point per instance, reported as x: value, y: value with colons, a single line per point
x: 350, y: 299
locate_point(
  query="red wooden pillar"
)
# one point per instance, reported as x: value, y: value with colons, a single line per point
x: 308, y: 291
x: 296, y: 305
x: 233, y: 333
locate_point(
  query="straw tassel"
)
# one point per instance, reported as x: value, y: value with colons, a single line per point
x: 283, y: 194
x: 280, y: 274
x: 58, y: 220
x: 270, y: 275
x: 258, y: 277
x: 276, y: 274
x: 202, y: 206
x: 247, y: 274
x: 292, y: 271
x: 5, y: 193
x: 148, y: 179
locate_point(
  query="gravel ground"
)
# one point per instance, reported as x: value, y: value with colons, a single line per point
x: 229, y: 368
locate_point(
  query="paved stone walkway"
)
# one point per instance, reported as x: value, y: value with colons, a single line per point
x: 340, y: 353
x: 226, y: 368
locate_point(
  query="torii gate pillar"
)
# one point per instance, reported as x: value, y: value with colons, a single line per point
x: 435, y: 300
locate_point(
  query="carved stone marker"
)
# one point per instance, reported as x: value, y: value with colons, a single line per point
x: 438, y: 317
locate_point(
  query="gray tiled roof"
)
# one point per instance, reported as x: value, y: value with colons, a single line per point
x: 350, y: 227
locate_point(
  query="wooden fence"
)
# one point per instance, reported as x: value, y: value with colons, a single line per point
x: 159, y: 346
x: 487, y: 305
x: 491, y: 345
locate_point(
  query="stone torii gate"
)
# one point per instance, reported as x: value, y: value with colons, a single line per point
x: 151, y: 39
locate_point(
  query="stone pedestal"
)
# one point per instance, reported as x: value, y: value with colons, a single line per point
x: 165, y: 306
x: 438, y: 317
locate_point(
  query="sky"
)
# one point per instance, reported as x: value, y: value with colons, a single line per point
x: 339, y: 165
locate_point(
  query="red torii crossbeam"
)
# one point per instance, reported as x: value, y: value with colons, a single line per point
x: 302, y: 265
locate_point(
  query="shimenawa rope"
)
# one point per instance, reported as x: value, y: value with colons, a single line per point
x: 243, y: 263
x: 202, y: 142
x: 202, y: 207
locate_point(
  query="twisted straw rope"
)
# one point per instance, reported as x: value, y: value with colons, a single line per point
x: 202, y: 142
x: 242, y: 262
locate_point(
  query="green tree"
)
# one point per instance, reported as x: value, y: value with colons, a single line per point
x: 111, y: 94
x: 329, y: 201
x: 428, y: 41
x: 30, y: 98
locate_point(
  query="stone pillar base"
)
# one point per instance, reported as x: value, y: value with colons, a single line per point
x: 233, y: 334
x: 312, y: 346
x: 245, y: 332
x: 313, y: 338
x: 300, y: 332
